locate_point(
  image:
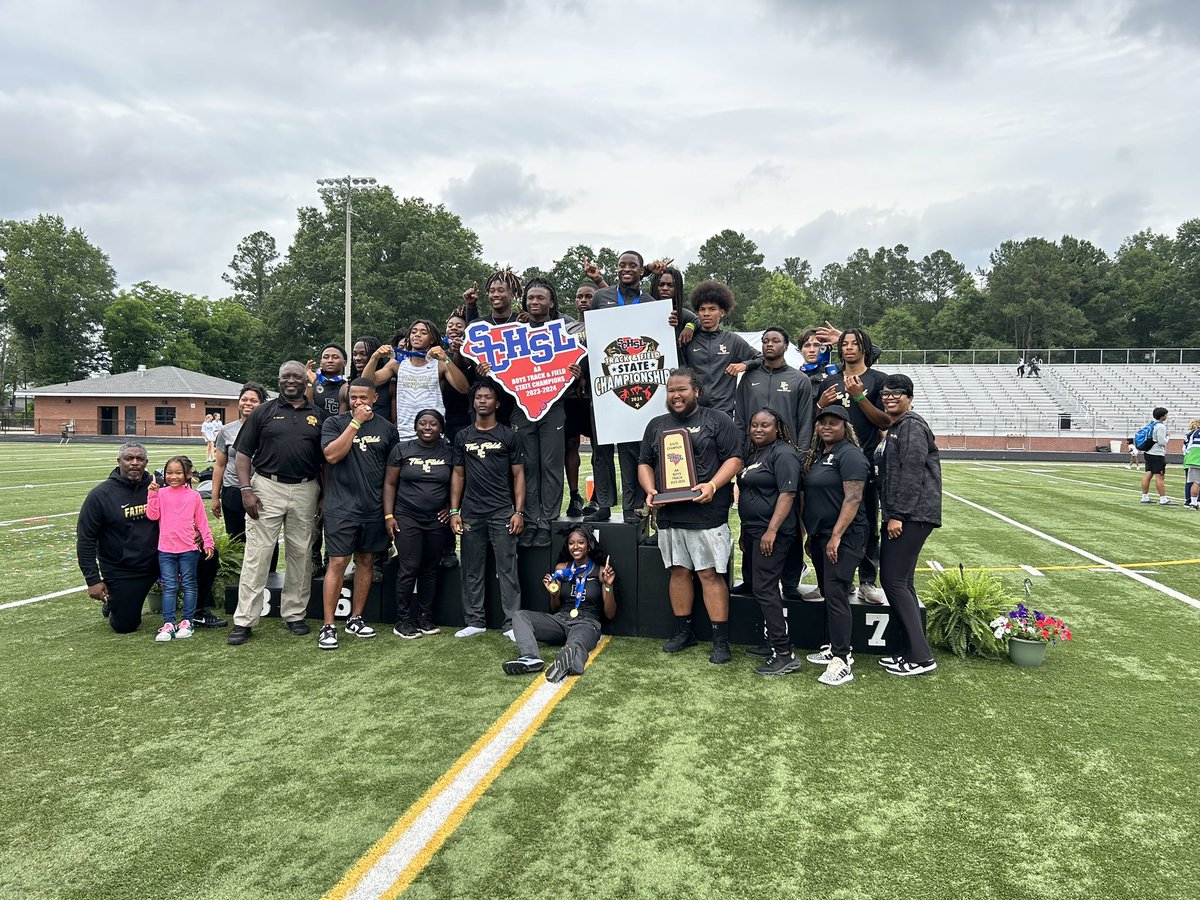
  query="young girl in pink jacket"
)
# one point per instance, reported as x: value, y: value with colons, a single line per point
x: 179, y: 511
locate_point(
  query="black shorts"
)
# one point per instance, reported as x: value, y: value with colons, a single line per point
x: 1156, y: 465
x: 578, y: 417
x: 345, y: 537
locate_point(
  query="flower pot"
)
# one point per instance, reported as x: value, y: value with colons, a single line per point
x: 1027, y: 653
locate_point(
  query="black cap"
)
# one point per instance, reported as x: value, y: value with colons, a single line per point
x: 837, y: 410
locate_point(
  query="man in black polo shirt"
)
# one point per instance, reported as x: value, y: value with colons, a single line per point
x: 488, y: 483
x: 856, y: 387
x: 693, y: 535
x: 356, y: 445
x: 282, y: 440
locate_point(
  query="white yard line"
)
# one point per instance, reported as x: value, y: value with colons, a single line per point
x: 1032, y: 571
x: 16, y: 603
x: 37, y: 518
x: 1136, y: 576
x: 30, y: 528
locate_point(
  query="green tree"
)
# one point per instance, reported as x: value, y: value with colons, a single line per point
x: 56, y: 286
x: 1029, y: 287
x: 940, y: 274
x: 783, y: 303
x: 252, y: 270
x: 733, y: 258
x: 798, y: 270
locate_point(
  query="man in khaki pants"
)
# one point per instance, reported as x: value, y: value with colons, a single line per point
x: 282, y: 438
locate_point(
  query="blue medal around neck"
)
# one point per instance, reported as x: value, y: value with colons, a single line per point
x: 336, y: 379
x: 621, y: 300
x: 579, y: 576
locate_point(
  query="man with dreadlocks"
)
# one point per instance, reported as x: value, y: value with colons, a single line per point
x: 631, y: 269
x: 543, y: 443
x: 856, y: 387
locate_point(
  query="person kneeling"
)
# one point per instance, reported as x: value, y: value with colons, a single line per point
x: 580, y: 590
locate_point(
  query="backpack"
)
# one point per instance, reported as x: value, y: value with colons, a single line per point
x: 1144, y: 439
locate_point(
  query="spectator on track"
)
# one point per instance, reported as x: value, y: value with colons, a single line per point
x: 1156, y: 459
x: 1133, y: 453
x: 116, y: 543
x: 1191, y: 460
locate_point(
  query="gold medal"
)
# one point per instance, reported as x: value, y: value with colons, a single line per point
x: 553, y: 587
x: 575, y: 613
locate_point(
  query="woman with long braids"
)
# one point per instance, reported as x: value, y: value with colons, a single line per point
x: 458, y: 406
x: 910, y: 496
x: 834, y: 474
x: 767, y: 485
x: 419, y: 369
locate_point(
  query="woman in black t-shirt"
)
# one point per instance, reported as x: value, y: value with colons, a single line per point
x: 416, y: 508
x: 834, y: 474
x: 767, y: 486
x: 581, y: 592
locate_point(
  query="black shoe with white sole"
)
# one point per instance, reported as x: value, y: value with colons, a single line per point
x: 564, y: 664
x: 406, y: 630
x: 327, y: 639
x: 523, y: 665
x: 780, y: 665
x: 357, y: 627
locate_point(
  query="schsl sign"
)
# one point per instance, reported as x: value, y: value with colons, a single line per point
x: 531, y: 362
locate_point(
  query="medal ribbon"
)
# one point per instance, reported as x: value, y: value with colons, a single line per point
x: 621, y: 299
x: 336, y: 379
x: 579, y: 575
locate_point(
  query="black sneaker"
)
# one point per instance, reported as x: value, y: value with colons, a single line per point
x: 328, y: 639
x: 524, y: 665
x: 406, y: 630
x: 762, y: 651
x: 904, y: 667
x: 792, y: 595
x: 888, y: 661
x: 575, y: 507
x: 563, y: 664
x: 742, y: 589
x: 426, y: 626
x: 600, y: 514
x: 681, y: 640
x: 238, y: 634
x: 780, y: 665
x: 590, y: 507
x: 720, y: 653
x: 357, y: 627
x: 206, y: 618
x: 298, y: 628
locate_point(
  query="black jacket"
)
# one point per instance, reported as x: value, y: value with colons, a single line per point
x: 787, y: 391
x: 113, y: 537
x: 709, y: 353
x: 910, y: 488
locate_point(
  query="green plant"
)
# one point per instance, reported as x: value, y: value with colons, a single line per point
x: 229, y: 553
x: 960, y: 609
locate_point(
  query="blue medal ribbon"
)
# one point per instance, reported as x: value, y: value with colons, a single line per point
x: 621, y: 300
x: 336, y: 379
x: 579, y: 575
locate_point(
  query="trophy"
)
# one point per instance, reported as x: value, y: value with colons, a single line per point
x: 677, y: 479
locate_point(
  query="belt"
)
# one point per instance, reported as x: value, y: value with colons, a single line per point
x: 283, y: 479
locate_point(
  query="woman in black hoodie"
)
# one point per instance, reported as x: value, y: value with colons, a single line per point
x: 910, y: 495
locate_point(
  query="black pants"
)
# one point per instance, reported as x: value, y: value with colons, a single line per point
x: 764, y: 577
x: 480, y: 533
x: 419, y: 549
x: 233, y: 514
x: 126, y: 596
x: 544, y: 446
x: 898, y: 561
x: 529, y: 627
x: 868, y: 569
x: 835, y: 581
x: 604, y: 473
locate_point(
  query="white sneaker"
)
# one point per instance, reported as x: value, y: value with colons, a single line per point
x: 811, y: 594
x: 469, y: 631
x: 1163, y: 501
x: 836, y: 673
x: 184, y: 630
x: 824, y: 656
x: 166, y: 633
x: 1145, y: 498
x: 872, y: 594
x: 509, y: 634
x: 904, y: 667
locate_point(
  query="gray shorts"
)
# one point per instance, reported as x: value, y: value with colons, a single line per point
x: 1193, y: 475
x: 696, y: 548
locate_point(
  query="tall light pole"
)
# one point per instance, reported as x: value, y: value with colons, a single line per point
x: 335, y: 187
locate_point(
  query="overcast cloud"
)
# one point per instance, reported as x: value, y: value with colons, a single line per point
x: 168, y: 132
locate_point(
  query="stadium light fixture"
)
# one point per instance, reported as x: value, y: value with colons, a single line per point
x: 339, y: 187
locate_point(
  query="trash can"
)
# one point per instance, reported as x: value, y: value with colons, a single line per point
x: 1114, y: 446
x: 1064, y: 421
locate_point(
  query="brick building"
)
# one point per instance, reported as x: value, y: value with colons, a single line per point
x: 161, y: 402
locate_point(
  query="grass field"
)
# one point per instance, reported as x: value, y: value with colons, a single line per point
x: 138, y: 770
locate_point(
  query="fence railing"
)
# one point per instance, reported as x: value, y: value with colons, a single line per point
x: 115, y: 428
x: 1048, y: 357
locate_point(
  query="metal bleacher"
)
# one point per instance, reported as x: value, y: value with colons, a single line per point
x: 1121, y: 397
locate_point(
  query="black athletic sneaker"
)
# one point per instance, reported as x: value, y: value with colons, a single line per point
x: 357, y: 627
x: 720, y: 653
x: 563, y: 664
x: 406, y: 630
x: 298, y: 628
x: 590, y: 507
x: 524, y: 665
x: 681, y: 640
x: 206, y: 618
x: 238, y: 634
x: 780, y: 665
x: 599, y: 514
x: 762, y: 651
x: 426, y: 626
x: 575, y: 507
x: 742, y: 589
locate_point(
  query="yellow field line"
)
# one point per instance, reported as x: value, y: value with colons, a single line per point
x: 351, y: 879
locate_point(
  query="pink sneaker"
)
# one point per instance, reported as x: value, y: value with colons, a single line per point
x: 184, y: 630
x: 165, y: 633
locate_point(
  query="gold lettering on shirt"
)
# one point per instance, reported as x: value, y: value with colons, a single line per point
x: 135, y: 512
x: 363, y: 440
x: 426, y: 464
x: 481, y: 448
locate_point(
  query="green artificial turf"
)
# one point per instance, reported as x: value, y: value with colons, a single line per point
x: 196, y: 770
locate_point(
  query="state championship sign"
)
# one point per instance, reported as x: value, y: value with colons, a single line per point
x: 531, y: 362
x: 631, y: 353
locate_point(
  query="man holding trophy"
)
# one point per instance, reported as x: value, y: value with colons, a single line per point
x: 688, y: 460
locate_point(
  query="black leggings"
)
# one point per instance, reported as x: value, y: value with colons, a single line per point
x: 418, y: 552
x: 897, y: 562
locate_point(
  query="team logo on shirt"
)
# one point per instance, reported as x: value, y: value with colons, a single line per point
x: 633, y: 370
x: 364, y: 440
x: 312, y: 420
x: 428, y: 464
x: 783, y: 386
x: 481, y: 448
x: 531, y: 362
x: 722, y: 349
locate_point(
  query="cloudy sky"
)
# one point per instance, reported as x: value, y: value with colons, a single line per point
x: 167, y: 131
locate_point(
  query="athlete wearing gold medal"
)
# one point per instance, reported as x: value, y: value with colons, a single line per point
x: 581, y: 590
